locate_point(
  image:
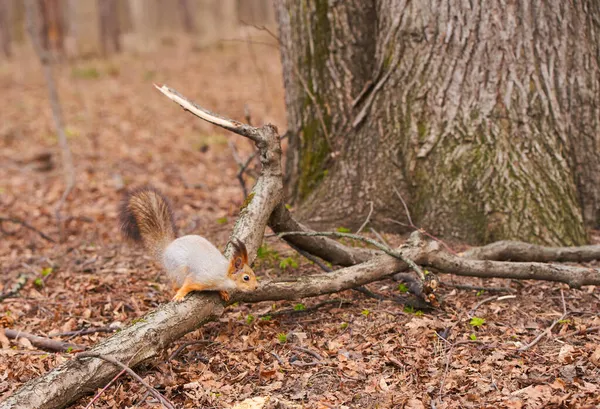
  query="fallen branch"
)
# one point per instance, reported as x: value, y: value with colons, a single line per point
x: 519, y: 251
x: 375, y: 243
x: 478, y: 287
x: 315, y: 307
x: 327, y: 249
x: 575, y: 276
x: 44, y: 343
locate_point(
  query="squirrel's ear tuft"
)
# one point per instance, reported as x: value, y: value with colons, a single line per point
x: 239, y: 250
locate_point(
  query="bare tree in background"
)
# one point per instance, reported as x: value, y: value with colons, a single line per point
x: 51, y: 30
x: 5, y: 34
x: 110, y: 32
x: 33, y: 16
x: 187, y: 17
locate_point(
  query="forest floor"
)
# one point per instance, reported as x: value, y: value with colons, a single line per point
x: 124, y: 133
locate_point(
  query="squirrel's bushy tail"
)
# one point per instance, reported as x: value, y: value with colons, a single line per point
x: 146, y: 216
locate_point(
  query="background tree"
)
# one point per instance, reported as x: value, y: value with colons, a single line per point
x: 110, y: 33
x: 5, y: 34
x: 484, y: 118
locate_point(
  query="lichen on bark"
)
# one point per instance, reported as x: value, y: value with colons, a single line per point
x: 484, y: 116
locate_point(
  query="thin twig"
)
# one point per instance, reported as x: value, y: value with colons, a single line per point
x: 315, y: 307
x: 183, y: 346
x: 494, y: 298
x: 17, y: 286
x: 44, y: 343
x: 241, y: 169
x: 27, y: 226
x: 405, y: 206
x: 478, y: 288
x: 375, y: 243
x: 362, y: 226
x: 117, y: 376
x: 379, y: 236
x: 309, y: 352
x: 579, y: 332
x: 548, y: 331
x: 85, y: 331
x: 164, y: 401
x: 363, y: 289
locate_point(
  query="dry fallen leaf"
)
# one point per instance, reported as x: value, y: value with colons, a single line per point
x: 252, y: 403
x: 595, y: 357
x: 565, y: 355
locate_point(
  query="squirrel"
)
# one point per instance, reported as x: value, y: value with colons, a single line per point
x: 192, y: 262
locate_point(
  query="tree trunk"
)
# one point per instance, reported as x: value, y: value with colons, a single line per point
x: 110, y: 33
x: 483, y: 116
x: 5, y: 25
x: 187, y: 16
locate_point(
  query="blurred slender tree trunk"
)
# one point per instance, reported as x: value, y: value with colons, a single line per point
x: 110, y: 33
x: 5, y: 34
x: 187, y: 16
x: 483, y: 115
x: 52, y: 31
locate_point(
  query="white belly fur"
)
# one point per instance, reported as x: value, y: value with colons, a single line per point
x: 205, y: 262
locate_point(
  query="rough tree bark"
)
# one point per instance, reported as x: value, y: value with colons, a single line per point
x: 485, y: 116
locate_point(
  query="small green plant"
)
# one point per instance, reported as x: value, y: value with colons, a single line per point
x: 69, y: 349
x: 47, y: 271
x: 38, y: 282
x: 343, y: 230
x: 402, y: 288
x: 266, y: 318
x: 149, y: 75
x: 473, y: 337
x: 409, y: 309
x: 89, y: 73
x: 264, y: 252
x: 480, y: 293
x: 288, y: 206
x: 344, y: 325
x: 564, y: 321
x: 222, y: 220
x: 282, y: 338
x: 299, y: 307
x: 365, y: 312
x: 477, y: 322
x: 419, y: 313
x: 288, y: 262
x: 249, y: 319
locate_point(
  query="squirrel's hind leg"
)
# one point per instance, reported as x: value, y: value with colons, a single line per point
x: 187, y: 287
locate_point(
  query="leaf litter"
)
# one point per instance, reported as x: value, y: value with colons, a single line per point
x: 124, y: 134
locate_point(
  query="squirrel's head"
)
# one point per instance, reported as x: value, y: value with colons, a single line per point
x: 239, y: 270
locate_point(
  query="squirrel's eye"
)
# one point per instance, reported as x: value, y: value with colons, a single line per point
x: 246, y: 278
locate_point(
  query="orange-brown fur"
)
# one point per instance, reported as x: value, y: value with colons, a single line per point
x: 146, y: 216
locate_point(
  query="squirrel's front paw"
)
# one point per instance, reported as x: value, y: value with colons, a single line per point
x: 179, y: 297
x: 224, y: 295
